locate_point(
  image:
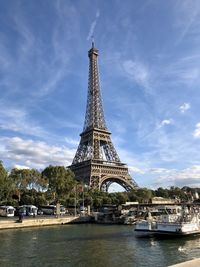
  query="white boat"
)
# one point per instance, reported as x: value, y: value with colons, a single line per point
x: 177, y: 224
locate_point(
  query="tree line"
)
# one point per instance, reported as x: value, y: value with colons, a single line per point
x: 57, y: 184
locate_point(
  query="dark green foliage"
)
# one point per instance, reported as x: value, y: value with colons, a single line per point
x: 6, y: 185
x: 161, y: 192
x: 60, y: 181
x: 28, y: 179
x: 27, y: 199
x: 144, y: 195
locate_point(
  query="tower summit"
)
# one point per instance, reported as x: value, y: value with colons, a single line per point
x: 96, y: 162
x: 94, y: 117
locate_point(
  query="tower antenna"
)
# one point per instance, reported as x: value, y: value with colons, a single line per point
x: 92, y: 38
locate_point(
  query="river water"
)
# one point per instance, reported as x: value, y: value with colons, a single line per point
x: 90, y: 245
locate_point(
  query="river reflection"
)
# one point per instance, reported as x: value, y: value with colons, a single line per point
x: 91, y: 245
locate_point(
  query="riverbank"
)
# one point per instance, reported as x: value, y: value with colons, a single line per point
x: 191, y: 263
x: 40, y: 221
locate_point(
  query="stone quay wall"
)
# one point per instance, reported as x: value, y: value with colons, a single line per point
x: 37, y: 221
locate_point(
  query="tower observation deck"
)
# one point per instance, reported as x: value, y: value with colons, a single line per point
x: 96, y: 162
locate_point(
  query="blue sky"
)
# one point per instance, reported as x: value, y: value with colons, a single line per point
x: 149, y: 61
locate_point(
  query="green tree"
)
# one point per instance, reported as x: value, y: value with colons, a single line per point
x: 162, y: 192
x: 6, y: 185
x: 107, y: 200
x: 177, y: 193
x: 132, y: 195
x: 122, y: 197
x: 36, y: 181
x: 60, y: 181
x: 20, y: 178
x: 144, y: 194
x: 98, y: 201
x: 27, y: 179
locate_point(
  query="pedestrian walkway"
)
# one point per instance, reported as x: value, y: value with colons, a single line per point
x: 191, y: 263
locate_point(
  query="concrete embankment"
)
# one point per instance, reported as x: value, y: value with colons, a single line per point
x: 191, y: 263
x: 39, y: 221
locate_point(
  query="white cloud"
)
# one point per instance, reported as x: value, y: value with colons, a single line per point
x: 48, y: 62
x: 181, y: 70
x: 34, y: 154
x: 27, y: 37
x: 93, y: 25
x: 165, y: 122
x: 183, y: 108
x: 17, y: 120
x: 71, y: 141
x: 187, y: 19
x: 186, y: 74
x: 196, y: 132
x: 20, y: 167
x: 159, y: 170
x: 190, y: 74
x: 135, y: 170
x: 189, y: 177
x: 137, y: 71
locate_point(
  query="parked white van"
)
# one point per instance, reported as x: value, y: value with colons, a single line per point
x: 7, y: 211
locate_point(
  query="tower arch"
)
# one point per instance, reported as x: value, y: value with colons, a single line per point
x: 107, y: 181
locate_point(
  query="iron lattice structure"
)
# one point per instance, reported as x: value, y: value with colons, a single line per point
x: 96, y: 162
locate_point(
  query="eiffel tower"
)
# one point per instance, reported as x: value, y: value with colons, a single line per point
x: 96, y: 162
